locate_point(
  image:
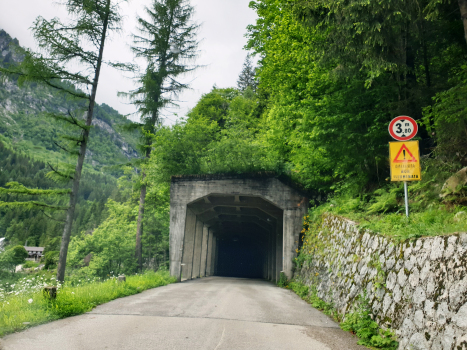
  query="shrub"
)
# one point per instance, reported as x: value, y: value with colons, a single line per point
x: 283, y: 281
x: 30, y: 264
x: 51, y: 259
x: 13, y: 256
x: 367, y: 330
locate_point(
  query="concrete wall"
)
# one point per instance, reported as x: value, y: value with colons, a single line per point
x: 190, y: 249
x: 417, y: 288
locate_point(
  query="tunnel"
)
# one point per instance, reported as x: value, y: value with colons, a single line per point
x: 246, y: 228
x: 246, y: 237
x: 240, y: 250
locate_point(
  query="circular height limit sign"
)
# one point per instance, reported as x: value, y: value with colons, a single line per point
x: 403, y: 128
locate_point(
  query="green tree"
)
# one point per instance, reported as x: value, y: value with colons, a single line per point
x: 14, y: 256
x: 111, y: 244
x: 79, y: 43
x: 247, y: 77
x: 167, y: 42
x: 336, y: 73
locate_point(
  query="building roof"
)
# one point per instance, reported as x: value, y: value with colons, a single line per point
x: 34, y: 249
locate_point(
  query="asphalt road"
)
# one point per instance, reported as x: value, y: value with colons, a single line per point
x: 212, y: 313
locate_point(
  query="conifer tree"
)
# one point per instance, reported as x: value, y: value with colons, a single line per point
x: 70, y: 60
x: 247, y: 76
x: 167, y: 42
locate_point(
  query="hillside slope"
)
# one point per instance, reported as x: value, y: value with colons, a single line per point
x: 25, y: 126
x: 28, y: 143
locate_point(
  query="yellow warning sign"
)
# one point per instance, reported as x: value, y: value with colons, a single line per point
x: 405, y: 161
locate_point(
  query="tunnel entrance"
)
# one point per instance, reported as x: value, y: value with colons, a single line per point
x: 233, y: 227
x: 246, y: 237
x: 241, y: 251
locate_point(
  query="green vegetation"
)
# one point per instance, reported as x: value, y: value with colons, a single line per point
x: 368, y: 332
x: 27, y: 306
x: 358, y: 322
x: 283, y: 282
x: 35, y: 226
x: 383, y: 211
x: 13, y: 256
x: 318, y: 110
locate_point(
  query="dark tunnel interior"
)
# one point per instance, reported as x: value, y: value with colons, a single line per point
x: 247, y: 232
x: 240, y: 254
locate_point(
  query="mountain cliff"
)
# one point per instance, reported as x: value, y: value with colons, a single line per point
x: 25, y: 126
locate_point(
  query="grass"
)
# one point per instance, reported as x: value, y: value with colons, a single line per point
x: 31, y: 307
x: 431, y: 221
x: 382, y: 210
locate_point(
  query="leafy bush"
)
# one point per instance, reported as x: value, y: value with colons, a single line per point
x: 13, y: 256
x: 367, y: 330
x: 283, y: 281
x: 30, y: 264
x: 111, y: 244
x: 300, y: 289
x: 385, y: 200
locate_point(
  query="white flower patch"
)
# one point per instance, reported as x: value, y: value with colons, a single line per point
x: 23, y: 286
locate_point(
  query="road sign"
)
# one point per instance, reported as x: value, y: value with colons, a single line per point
x: 405, y: 161
x: 403, y: 128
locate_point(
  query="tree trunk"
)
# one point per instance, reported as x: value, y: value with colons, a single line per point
x: 139, y: 229
x: 154, y: 119
x: 463, y: 8
x: 82, y: 154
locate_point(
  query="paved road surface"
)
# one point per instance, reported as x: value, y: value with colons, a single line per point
x: 212, y: 313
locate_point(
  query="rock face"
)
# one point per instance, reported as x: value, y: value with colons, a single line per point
x: 7, y: 52
x: 22, y: 115
x: 452, y: 185
x: 417, y: 288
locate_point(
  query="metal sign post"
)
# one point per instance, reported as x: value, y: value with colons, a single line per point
x: 406, y: 191
x: 404, y: 157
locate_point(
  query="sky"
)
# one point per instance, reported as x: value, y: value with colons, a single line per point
x: 222, y: 37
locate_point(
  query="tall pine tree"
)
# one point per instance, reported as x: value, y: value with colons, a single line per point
x: 247, y: 76
x: 167, y: 42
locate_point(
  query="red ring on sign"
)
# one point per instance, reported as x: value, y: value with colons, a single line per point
x: 403, y: 117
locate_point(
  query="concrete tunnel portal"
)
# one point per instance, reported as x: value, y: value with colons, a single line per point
x: 235, y: 227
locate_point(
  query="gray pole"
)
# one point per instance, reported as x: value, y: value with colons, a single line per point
x: 406, y: 191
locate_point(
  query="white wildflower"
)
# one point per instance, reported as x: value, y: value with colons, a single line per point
x: 30, y: 301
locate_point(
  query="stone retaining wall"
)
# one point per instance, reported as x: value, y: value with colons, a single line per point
x: 417, y: 288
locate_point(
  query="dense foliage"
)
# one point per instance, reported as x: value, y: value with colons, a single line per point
x: 338, y: 72
x: 35, y: 226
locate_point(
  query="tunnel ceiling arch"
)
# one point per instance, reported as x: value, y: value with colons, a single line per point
x: 231, y: 226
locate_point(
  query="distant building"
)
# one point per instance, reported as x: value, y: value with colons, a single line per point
x: 2, y: 243
x: 34, y: 253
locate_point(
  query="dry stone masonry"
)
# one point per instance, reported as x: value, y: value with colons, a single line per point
x: 417, y: 288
